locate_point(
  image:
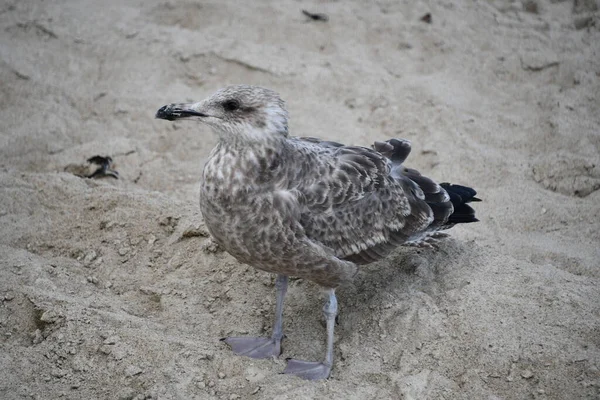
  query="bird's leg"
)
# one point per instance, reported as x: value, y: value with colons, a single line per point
x: 263, y: 347
x: 318, y: 370
x: 281, y: 284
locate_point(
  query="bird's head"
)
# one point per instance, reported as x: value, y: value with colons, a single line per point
x: 239, y: 112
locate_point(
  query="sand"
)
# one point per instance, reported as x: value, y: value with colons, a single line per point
x: 113, y: 289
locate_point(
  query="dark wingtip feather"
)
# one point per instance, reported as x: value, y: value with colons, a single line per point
x: 462, y: 214
x: 466, y: 193
x: 460, y: 196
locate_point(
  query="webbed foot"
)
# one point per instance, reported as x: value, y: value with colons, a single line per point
x: 308, y: 370
x: 254, y: 347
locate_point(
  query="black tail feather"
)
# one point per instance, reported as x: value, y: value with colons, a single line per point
x: 397, y: 150
x: 459, y: 197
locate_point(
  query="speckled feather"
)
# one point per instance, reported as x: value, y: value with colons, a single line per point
x: 306, y: 207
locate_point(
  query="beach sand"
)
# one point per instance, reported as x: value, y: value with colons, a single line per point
x: 113, y: 289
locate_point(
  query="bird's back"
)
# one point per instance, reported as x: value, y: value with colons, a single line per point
x: 362, y: 202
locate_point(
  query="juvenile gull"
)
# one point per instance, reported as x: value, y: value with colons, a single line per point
x: 307, y: 207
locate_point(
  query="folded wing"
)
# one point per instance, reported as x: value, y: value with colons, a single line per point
x: 363, y: 202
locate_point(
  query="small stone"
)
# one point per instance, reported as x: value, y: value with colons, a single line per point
x: 111, y: 340
x: 211, y: 384
x: 105, y: 350
x: 256, y: 389
x: 380, y: 102
x: 150, y: 291
x: 195, y: 230
x: 531, y: 6
x: 37, y: 337
x: 351, y: 103
x: 107, y: 225
x: 9, y: 296
x: 118, y: 353
x: 132, y: 370
x: 120, y: 109
x: 49, y: 317
x: 222, y: 375
x: 123, y: 251
x: 538, y: 61
x: 90, y: 256
x: 126, y: 393
x: 527, y: 374
x: 581, y: 6
x: 582, y: 23
x: 210, y: 246
x: 92, y: 279
x: 427, y: 18
x: 58, y: 373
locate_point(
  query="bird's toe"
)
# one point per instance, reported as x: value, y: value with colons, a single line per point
x: 254, y: 347
x: 308, y: 370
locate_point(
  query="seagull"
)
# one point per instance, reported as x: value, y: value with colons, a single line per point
x: 305, y: 207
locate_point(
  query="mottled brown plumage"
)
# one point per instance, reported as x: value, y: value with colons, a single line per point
x: 306, y: 207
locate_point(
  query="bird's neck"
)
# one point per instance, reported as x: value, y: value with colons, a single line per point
x: 249, y: 166
x: 247, y: 136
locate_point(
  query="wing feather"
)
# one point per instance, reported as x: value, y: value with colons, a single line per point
x: 359, y: 201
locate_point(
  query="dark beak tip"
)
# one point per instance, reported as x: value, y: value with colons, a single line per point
x: 172, y: 112
x: 162, y: 113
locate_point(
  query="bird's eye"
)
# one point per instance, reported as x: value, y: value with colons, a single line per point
x: 231, y: 105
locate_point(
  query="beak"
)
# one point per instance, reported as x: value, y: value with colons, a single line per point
x: 172, y: 112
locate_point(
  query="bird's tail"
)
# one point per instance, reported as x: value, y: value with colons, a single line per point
x: 460, y: 196
x: 447, y: 201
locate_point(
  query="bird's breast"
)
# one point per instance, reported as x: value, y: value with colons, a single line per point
x: 256, y: 229
x: 244, y: 208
